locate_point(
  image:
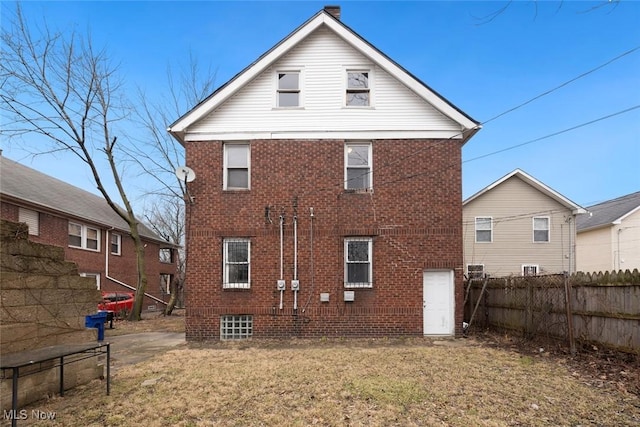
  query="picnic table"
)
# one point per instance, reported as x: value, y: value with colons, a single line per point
x: 30, y: 362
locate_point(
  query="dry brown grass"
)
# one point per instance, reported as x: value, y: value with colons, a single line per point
x: 412, y: 382
x: 151, y: 322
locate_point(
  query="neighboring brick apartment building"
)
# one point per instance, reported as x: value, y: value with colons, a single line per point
x: 92, y: 235
x: 327, y: 199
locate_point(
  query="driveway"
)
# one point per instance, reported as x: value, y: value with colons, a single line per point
x: 134, y: 348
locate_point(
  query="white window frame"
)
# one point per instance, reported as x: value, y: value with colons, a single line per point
x: 369, y: 89
x: 236, y: 326
x: 84, y: 237
x: 548, y: 229
x: 368, y: 168
x: 490, y: 230
x: 226, y: 264
x: 279, y: 90
x: 526, y: 267
x: 225, y: 177
x: 369, y: 283
x: 474, y: 274
x: 31, y: 218
x: 96, y: 276
x: 118, y: 243
x: 168, y: 258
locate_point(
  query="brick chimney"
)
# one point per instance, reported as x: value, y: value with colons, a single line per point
x: 333, y: 10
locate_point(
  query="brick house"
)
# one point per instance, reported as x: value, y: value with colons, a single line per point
x: 92, y: 235
x: 327, y: 199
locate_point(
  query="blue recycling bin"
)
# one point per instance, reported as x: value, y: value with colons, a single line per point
x: 96, y: 320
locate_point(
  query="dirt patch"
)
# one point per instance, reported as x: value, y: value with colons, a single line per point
x: 152, y: 321
x: 483, y: 381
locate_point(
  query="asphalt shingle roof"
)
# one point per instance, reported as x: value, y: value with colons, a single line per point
x: 21, y: 182
x: 607, y: 212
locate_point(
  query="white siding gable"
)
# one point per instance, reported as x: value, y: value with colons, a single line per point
x: 323, y: 58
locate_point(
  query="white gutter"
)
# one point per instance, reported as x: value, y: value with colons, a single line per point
x: 106, y: 272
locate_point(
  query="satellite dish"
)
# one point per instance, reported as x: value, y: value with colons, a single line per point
x: 185, y: 174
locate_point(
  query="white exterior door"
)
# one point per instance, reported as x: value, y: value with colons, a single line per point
x: 438, y: 302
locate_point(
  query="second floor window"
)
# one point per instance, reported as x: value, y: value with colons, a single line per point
x: 84, y: 237
x: 484, y: 231
x: 358, y: 89
x: 237, y: 158
x: 288, y: 89
x: 358, y: 173
x: 116, y: 244
x: 237, y: 256
x: 166, y: 255
x: 541, y: 229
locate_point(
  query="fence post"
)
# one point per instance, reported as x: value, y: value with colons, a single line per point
x: 528, y: 326
x: 567, y: 303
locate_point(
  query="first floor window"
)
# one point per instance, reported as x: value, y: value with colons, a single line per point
x: 236, y: 326
x: 165, y: 283
x: 529, y: 270
x: 475, y: 271
x: 236, y: 166
x: 484, y: 229
x: 116, y: 241
x: 541, y: 229
x: 84, y: 237
x: 31, y: 218
x: 94, y: 276
x: 358, y: 270
x: 237, y: 255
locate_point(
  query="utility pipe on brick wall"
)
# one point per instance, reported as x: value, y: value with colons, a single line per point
x: 295, y: 284
x: 281, y: 281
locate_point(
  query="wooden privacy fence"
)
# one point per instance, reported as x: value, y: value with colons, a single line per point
x: 603, y: 308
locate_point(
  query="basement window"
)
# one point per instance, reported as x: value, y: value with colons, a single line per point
x: 475, y: 271
x: 236, y: 326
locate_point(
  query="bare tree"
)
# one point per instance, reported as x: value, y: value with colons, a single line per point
x: 159, y: 155
x: 64, y: 90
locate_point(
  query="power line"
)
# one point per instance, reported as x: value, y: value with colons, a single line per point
x: 554, y: 134
x: 562, y: 85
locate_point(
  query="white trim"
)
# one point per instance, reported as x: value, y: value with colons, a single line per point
x: 325, y: 134
x: 179, y: 128
x: 83, y: 236
x: 623, y: 217
x: 95, y: 276
x: 119, y: 236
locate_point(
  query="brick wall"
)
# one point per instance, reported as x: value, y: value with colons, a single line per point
x: 43, y: 301
x: 414, y: 216
x: 54, y: 231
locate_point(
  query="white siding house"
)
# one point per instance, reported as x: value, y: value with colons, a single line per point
x: 609, y: 236
x: 519, y: 226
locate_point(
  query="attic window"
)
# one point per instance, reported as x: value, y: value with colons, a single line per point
x: 358, y: 89
x: 288, y: 89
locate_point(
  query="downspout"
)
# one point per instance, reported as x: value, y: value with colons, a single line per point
x: 106, y: 271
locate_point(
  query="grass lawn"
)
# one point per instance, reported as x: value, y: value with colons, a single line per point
x: 383, y: 382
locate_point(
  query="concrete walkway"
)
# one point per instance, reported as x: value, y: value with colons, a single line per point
x: 134, y: 348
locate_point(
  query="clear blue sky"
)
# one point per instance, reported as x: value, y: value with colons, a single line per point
x: 483, y: 66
